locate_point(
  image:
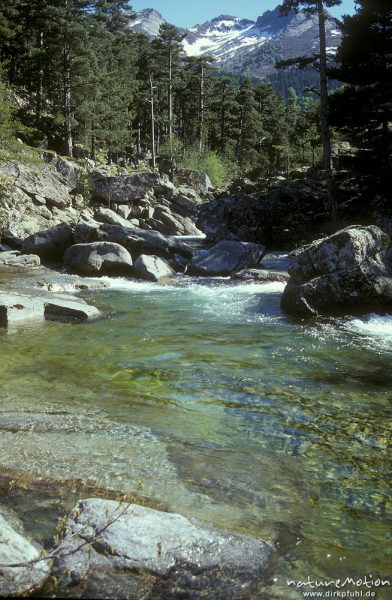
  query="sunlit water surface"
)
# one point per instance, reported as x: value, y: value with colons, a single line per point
x: 261, y: 424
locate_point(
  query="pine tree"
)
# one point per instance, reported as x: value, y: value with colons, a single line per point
x: 365, y: 59
x: 169, y: 48
x: 249, y: 126
x: 318, y: 7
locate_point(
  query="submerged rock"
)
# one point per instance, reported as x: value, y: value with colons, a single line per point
x: 227, y: 257
x: 98, y: 258
x: 153, y: 268
x: 14, y: 549
x: 260, y: 275
x: 156, y: 554
x: 349, y: 270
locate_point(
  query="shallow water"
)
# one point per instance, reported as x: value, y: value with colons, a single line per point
x: 259, y: 423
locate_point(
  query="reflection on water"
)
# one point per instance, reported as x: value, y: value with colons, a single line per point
x: 258, y: 423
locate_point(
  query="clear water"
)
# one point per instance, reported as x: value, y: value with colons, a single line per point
x: 216, y: 405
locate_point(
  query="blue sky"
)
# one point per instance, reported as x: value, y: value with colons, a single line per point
x: 185, y: 13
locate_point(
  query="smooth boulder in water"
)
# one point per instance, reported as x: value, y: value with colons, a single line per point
x: 350, y: 270
x: 227, y: 257
x: 153, y: 554
x: 153, y: 268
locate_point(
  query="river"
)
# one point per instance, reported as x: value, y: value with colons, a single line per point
x: 259, y: 423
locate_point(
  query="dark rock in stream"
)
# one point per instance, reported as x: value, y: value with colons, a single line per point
x: 260, y: 275
x: 350, y: 270
x: 226, y: 257
x: 150, y: 554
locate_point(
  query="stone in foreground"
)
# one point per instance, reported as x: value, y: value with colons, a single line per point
x: 153, y: 268
x: 14, y: 258
x: 149, y: 554
x: 98, y: 258
x: 14, y: 548
x: 348, y: 271
x: 227, y: 257
x: 16, y: 308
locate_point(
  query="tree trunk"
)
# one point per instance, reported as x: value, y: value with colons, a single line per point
x: 171, y: 112
x: 324, y: 113
x: 201, y: 108
x: 40, y: 82
x: 152, y: 125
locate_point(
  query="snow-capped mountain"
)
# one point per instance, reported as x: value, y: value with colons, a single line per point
x: 147, y: 21
x: 244, y: 46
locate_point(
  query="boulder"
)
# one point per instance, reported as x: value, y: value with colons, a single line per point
x: 226, y: 257
x: 196, y: 180
x: 153, y: 268
x: 72, y: 309
x: 15, y: 549
x: 98, y: 258
x: 16, y: 259
x: 51, y: 243
x: 347, y: 271
x: 260, y: 275
x: 136, y: 241
x: 172, y: 224
x: 126, y: 188
x: 152, y: 554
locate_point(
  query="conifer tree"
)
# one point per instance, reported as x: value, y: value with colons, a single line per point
x: 169, y: 48
x: 318, y: 7
x: 365, y: 66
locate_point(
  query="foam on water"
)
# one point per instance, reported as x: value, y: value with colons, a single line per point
x: 377, y: 329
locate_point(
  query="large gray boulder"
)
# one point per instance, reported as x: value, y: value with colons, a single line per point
x: 50, y: 243
x: 151, y: 554
x: 227, y: 257
x: 126, y: 188
x: 136, y: 241
x: 98, y: 258
x: 16, y: 549
x: 349, y: 270
x: 153, y: 268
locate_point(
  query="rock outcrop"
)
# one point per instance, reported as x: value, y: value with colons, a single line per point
x: 153, y: 554
x: 98, y: 258
x: 125, y: 188
x: 14, y: 258
x: 348, y: 271
x: 226, y: 257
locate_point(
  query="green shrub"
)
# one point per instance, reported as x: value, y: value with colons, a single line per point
x: 220, y: 171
